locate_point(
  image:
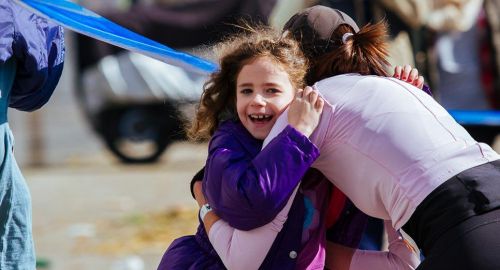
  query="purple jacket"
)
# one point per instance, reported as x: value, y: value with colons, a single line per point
x: 247, y: 188
x: 38, y: 51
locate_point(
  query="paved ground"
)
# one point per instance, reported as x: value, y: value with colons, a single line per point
x: 97, y: 214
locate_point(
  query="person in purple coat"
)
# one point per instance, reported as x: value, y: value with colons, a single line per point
x: 31, y: 62
x: 253, y: 189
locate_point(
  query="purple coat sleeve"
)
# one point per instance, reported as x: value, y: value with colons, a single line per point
x: 427, y: 89
x: 247, y: 187
x: 38, y: 48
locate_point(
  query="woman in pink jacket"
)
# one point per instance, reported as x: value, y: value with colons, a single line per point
x: 394, y: 151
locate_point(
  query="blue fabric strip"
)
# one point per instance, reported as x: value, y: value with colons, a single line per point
x: 86, y: 22
x: 487, y: 118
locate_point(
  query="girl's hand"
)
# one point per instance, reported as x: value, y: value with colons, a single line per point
x: 409, y: 75
x: 305, y: 111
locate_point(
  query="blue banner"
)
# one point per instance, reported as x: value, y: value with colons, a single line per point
x: 486, y: 118
x: 86, y: 22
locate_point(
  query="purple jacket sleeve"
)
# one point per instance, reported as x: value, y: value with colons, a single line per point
x: 247, y: 187
x: 427, y: 89
x: 38, y: 47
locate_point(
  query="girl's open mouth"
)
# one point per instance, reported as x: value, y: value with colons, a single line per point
x: 260, y: 118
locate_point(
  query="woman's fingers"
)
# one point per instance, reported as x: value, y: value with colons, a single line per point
x: 397, y: 72
x: 413, y: 76
x: 419, y: 82
x: 406, y: 72
x: 409, y: 75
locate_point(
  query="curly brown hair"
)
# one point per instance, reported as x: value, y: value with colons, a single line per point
x: 218, y: 101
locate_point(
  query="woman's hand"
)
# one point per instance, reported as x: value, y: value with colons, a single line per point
x: 409, y: 75
x: 305, y: 111
x: 198, y: 193
x: 210, y: 217
x: 400, y: 255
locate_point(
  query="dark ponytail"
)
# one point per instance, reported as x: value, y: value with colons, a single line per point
x: 364, y: 52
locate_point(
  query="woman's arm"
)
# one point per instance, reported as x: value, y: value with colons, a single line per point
x: 241, y: 249
x: 246, y: 249
x: 399, y: 256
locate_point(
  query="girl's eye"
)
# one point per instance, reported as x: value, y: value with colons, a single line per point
x: 246, y: 91
x: 273, y: 90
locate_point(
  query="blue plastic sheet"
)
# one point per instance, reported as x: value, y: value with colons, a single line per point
x: 86, y: 22
x: 487, y: 118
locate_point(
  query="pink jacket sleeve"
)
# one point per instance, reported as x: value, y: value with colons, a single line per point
x: 247, y: 249
x: 399, y: 256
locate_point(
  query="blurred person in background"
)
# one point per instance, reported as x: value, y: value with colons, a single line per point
x: 463, y: 58
x: 490, y: 50
x: 31, y: 63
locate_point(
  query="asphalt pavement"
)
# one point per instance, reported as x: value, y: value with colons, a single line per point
x: 96, y: 213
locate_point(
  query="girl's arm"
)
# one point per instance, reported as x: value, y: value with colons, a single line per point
x: 248, y: 192
x: 400, y: 255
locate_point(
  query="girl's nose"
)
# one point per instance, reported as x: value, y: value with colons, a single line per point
x: 258, y: 100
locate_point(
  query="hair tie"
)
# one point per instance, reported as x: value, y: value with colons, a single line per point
x: 345, y: 37
x: 285, y: 33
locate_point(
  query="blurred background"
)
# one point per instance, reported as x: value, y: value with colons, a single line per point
x: 106, y: 159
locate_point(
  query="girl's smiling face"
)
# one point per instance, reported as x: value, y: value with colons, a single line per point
x: 263, y: 92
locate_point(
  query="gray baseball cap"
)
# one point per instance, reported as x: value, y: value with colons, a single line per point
x: 314, y: 26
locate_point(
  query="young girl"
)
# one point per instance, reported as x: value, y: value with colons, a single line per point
x: 398, y: 155
x: 247, y: 187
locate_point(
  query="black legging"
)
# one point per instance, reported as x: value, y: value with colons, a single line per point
x: 458, y: 224
x: 472, y: 245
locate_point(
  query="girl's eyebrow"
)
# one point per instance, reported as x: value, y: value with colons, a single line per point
x: 271, y: 84
x: 245, y: 85
x: 251, y: 84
